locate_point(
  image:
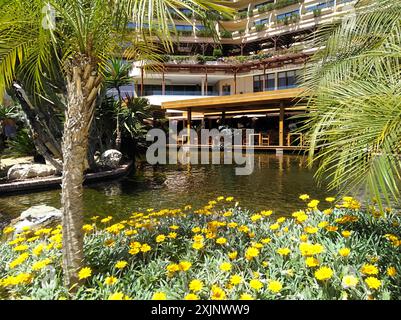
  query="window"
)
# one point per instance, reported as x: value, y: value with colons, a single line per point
x: 269, y: 80
x: 257, y: 83
x: 260, y: 22
x: 287, y: 15
x: 321, y: 5
x: 226, y: 90
x: 183, y: 28
x: 288, y: 79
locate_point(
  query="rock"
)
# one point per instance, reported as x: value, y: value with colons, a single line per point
x: 37, y: 217
x: 4, y: 221
x: 27, y: 171
x: 110, y: 159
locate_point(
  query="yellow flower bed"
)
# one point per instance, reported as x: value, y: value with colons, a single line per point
x: 326, y: 250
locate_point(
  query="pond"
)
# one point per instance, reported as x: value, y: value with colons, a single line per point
x: 276, y: 183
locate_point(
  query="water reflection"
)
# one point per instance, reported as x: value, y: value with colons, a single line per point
x: 275, y: 184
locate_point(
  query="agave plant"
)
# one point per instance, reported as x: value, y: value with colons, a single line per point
x: 354, y: 89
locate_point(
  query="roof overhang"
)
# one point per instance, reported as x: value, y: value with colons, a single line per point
x: 236, y: 102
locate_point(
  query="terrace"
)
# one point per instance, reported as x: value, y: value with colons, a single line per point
x: 265, y: 112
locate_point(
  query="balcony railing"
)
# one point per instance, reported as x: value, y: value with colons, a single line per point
x: 178, y: 93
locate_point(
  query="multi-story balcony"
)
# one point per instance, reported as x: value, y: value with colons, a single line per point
x: 256, y: 20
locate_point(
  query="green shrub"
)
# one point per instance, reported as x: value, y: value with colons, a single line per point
x: 284, y: 3
x: 226, y: 34
x: 317, y: 12
x: 205, y: 33
x: 242, y: 15
x: 203, y: 59
x: 259, y: 27
x: 217, y: 53
x: 22, y: 145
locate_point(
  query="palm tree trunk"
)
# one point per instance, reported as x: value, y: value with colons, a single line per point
x: 82, y: 87
x: 118, y: 130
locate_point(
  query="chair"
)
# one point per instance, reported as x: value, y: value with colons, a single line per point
x: 265, y: 139
x: 296, y: 134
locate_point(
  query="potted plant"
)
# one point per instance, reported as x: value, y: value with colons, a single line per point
x: 317, y: 12
x: 259, y: 27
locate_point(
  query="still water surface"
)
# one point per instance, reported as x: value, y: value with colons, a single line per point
x: 275, y: 184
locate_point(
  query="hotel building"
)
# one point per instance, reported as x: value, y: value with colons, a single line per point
x: 248, y: 77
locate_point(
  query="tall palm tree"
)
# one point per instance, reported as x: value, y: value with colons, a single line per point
x: 117, y: 75
x: 354, y: 89
x: 78, y: 37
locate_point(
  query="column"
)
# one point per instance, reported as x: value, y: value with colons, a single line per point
x: 206, y: 85
x: 163, y: 84
x: 141, y: 81
x: 235, y: 81
x: 264, y: 78
x: 281, y: 125
x: 189, y: 119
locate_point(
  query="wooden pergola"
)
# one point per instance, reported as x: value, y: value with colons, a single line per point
x: 228, y: 68
x: 278, y: 100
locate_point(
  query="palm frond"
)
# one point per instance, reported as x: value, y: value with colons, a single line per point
x: 354, y: 95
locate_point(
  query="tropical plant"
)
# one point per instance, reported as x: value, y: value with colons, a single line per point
x: 8, y: 112
x: 226, y: 34
x: 76, y: 38
x: 134, y: 112
x: 21, y: 146
x: 204, y: 33
x: 117, y: 75
x: 260, y: 27
x: 217, y: 53
x: 317, y: 12
x: 354, y: 85
x: 284, y: 3
x: 242, y: 14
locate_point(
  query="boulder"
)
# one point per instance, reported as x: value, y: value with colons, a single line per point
x: 4, y: 220
x: 37, y: 217
x: 27, y: 171
x: 110, y: 159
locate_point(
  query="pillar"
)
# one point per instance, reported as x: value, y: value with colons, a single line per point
x: 141, y: 81
x: 163, y: 84
x: 281, y: 125
x: 235, y: 81
x: 264, y: 78
x: 189, y: 119
x: 206, y: 85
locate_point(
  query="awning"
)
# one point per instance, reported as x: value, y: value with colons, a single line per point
x: 238, y: 102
